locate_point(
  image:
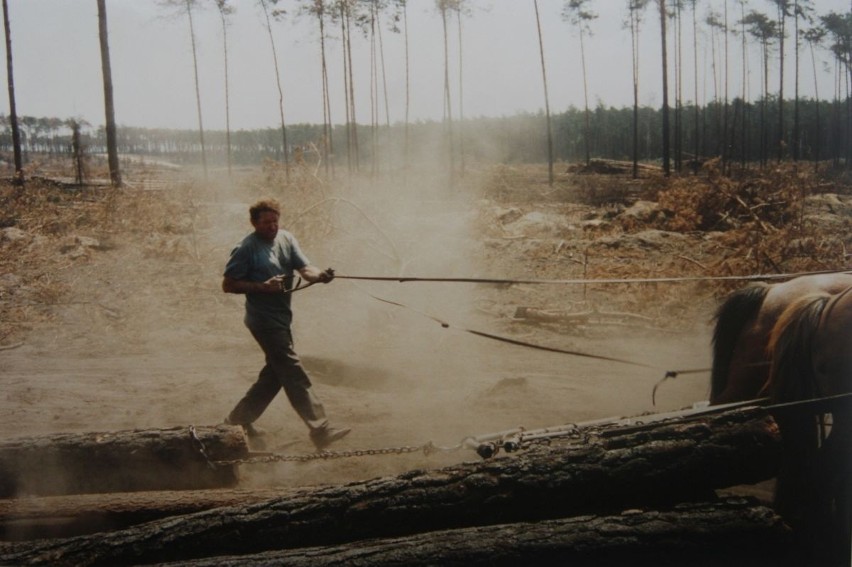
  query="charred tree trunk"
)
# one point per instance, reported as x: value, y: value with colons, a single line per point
x: 646, y: 466
x: 733, y: 531
x: 122, y: 461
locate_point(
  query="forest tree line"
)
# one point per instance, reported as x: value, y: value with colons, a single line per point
x: 740, y: 133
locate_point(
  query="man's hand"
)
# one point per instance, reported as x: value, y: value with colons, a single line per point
x: 274, y: 284
x: 312, y: 274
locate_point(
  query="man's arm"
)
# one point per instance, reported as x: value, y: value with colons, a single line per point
x: 272, y: 285
x: 312, y: 274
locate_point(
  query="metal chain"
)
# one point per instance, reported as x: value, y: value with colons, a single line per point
x: 426, y: 449
x: 199, y: 444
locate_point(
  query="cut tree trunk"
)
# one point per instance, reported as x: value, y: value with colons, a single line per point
x: 735, y: 532
x: 23, y: 519
x: 661, y: 465
x: 120, y: 461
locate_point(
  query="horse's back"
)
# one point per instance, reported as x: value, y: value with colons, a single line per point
x: 782, y: 295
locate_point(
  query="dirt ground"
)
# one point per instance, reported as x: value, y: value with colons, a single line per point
x: 115, y: 319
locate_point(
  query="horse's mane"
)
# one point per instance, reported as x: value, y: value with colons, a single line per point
x: 791, y: 371
x: 731, y: 317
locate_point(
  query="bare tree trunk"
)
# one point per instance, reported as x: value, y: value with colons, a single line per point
x: 327, y: 142
x: 666, y: 148
x: 223, y: 13
x: 634, y: 43
x: 120, y: 461
x: 796, y: 141
x: 546, y: 97
x: 407, y: 85
x: 350, y: 149
x: 285, y: 148
x: 13, y: 114
x: 645, y: 467
x: 461, y: 92
x: 587, y: 121
x: 197, y: 87
x: 109, y: 105
x: 697, y: 110
x: 356, y: 154
x: 374, y: 93
x: 678, y: 74
x: 729, y: 532
x: 782, y: 32
x: 725, y: 143
x: 448, y: 106
x: 818, y: 134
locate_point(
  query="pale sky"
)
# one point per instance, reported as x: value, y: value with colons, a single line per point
x: 58, y: 74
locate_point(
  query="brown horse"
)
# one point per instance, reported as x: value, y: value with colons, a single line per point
x: 811, y: 358
x: 791, y: 342
x: 744, y: 323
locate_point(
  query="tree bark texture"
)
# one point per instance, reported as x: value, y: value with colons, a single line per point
x: 23, y: 519
x: 659, y: 465
x: 121, y: 461
x: 736, y: 532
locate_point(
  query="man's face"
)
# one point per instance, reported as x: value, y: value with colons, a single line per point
x: 266, y: 225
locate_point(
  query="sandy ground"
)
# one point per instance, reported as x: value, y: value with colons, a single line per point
x: 148, y: 340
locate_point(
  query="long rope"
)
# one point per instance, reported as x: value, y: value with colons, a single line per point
x: 582, y: 281
x: 509, y: 340
x: 669, y: 374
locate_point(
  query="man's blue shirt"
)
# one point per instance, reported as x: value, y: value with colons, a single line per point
x: 257, y: 260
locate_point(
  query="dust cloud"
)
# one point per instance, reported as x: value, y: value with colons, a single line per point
x: 149, y: 340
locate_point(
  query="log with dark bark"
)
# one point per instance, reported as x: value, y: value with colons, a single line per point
x: 23, y: 519
x: 121, y: 461
x: 733, y: 532
x: 660, y: 465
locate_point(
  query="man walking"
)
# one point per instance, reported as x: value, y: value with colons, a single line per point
x: 261, y: 267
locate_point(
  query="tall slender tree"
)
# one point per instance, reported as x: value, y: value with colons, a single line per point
x: 802, y: 10
x: 784, y: 11
x: 814, y: 36
x: 109, y: 105
x: 550, y: 177
x: 268, y: 16
x: 635, y: 8
x: 839, y: 28
x: 13, y: 113
x: 318, y: 9
x: 460, y: 8
x: 696, y: 102
x: 578, y: 14
x: 225, y: 11
x: 766, y: 32
x: 666, y: 133
x: 445, y: 7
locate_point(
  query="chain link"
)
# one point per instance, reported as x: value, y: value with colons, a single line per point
x: 426, y: 449
x: 199, y: 445
x: 486, y: 446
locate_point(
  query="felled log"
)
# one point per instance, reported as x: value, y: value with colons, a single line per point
x: 44, y: 517
x: 669, y: 463
x: 736, y: 532
x: 120, y: 461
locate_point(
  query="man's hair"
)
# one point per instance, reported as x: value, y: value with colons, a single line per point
x: 262, y: 206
